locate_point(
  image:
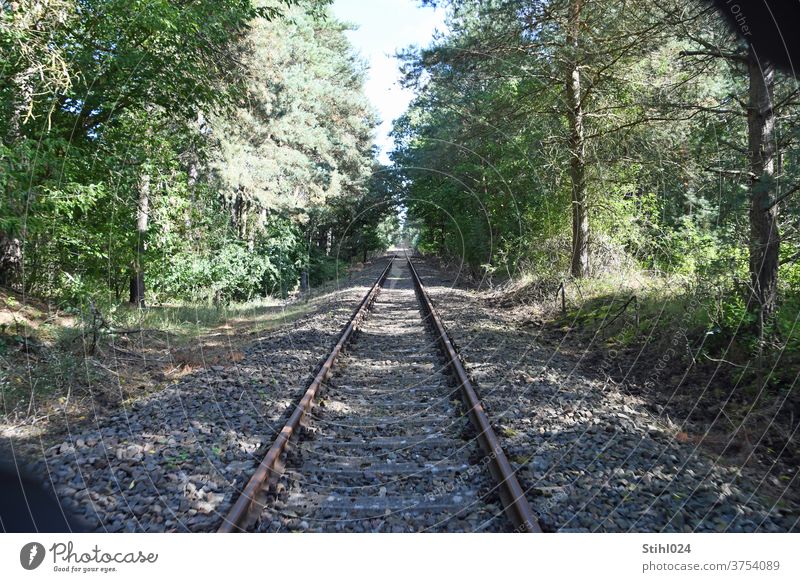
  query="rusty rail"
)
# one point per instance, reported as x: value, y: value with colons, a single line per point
x: 511, y: 494
x: 267, y: 471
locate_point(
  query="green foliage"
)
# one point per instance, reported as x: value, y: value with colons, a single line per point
x: 208, y: 144
x: 324, y: 268
x: 485, y: 152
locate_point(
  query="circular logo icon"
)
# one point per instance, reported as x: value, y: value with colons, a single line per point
x: 31, y: 555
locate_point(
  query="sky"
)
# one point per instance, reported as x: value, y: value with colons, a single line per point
x: 384, y: 27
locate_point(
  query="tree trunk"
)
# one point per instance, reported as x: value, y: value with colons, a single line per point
x: 248, y: 231
x: 22, y: 104
x: 764, y: 235
x: 142, y: 218
x: 10, y: 258
x: 322, y: 240
x: 577, y: 147
x: 191, y: 184
x: 193, y: 169
x: 237, y: 205
x: 304, y: 273
x: 22, y: 101
x: 262, y: 219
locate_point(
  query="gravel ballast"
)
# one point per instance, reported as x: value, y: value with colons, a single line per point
x: 588, y: 453
x: 175, y: 460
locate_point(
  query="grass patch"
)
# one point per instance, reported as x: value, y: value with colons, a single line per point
x: 63, y: 363
x: 687, y: 347
x: 185, y: 322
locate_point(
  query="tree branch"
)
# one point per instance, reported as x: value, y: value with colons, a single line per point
x: 712, y: 51
x: 782, y: 197
x: 727, y: 172
x: 791, y: 259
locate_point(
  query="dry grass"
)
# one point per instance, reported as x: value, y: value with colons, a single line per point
x: 58, y: 368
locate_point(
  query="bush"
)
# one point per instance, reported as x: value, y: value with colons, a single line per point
x: 323, y: 268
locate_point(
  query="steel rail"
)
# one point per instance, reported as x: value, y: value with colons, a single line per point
x: 267, y: 470
x: 511, y: 494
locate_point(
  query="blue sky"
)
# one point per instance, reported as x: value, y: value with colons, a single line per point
x: 384, y: 27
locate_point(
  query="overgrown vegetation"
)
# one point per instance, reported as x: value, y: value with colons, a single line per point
x: 587, y: 142
x: 167, y: 171
x: 156, y: 151
x: 60, y: 363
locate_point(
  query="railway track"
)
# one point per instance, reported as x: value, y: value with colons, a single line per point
x: 393, y: 437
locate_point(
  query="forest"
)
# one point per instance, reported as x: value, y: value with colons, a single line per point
x: 217, y: 152
x: 598, y: 142
x: 161, y: 150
